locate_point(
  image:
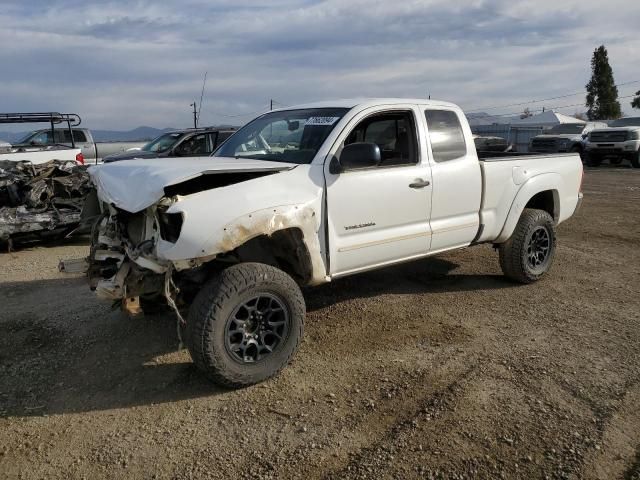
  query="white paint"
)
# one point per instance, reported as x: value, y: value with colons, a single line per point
x: 397, y: 215
x: 137, y: 184
x: 370, y: 218
x: 42, y: 156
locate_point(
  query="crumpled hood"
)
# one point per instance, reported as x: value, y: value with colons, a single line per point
x: 134, y: 186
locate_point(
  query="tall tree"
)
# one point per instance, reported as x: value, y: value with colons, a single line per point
x: 602, y: 93
x: 635, y: 103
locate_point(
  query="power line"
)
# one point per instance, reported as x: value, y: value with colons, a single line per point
x: 543, y: 99
x: 204, y: 82
x: 240, y: 114
x: 553, y: 108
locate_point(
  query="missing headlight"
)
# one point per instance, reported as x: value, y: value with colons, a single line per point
x: 170, y: 225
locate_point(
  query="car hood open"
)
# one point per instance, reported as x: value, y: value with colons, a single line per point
x: 134, y: 186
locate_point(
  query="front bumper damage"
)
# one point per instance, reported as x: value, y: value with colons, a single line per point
x: 122, y: 265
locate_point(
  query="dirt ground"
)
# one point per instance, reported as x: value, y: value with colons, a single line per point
x: 435, y: 369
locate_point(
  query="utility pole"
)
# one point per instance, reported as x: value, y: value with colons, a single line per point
x: 271, y: 105
x: 195, y: 114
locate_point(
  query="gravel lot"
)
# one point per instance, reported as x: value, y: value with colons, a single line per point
x: 435, y: 369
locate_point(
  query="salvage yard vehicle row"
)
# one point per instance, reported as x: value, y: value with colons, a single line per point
x: 340, y: 188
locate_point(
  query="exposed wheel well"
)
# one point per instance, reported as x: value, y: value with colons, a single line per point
x: 546, y: 201
x: 284, y: 249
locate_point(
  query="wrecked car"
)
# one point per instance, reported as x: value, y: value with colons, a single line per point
x: 302, y: 196
x: 41, y: 200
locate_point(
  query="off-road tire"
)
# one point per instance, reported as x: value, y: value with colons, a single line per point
x: 635, y: 160
x: 213, y: 308
x: 514, y: 253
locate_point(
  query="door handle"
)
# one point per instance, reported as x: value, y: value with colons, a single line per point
x: 419, y: 183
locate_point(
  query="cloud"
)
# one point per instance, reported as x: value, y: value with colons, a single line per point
x: 121, y: 64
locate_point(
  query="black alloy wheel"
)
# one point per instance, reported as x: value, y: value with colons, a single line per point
x: 257, y: 327
x: 538, y: 247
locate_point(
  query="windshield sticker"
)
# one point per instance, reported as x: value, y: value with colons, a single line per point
x: 322, y: 121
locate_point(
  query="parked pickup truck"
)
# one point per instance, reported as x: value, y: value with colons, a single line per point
x: 44, y: 154
x: 619, y: 142
x: 192, y: 142
x: 364, y: 185
x: 92, y: 151
x: 567, y: 137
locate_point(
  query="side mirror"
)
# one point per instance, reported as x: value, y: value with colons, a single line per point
x: 359, y: 155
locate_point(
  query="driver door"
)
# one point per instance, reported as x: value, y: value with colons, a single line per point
x: 380, y: 215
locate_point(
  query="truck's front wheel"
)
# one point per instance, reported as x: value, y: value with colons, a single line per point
x: 635, y: 160
x: 245, y: 325
x: 529, y: 253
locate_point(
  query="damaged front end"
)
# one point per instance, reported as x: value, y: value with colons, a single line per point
x: 123, y: 266
x: 156, y: 244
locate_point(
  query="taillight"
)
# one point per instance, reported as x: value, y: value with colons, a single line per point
x: 80, y: 158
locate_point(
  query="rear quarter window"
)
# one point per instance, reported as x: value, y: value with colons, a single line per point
x: 446, y: 135
x: 79, y: 136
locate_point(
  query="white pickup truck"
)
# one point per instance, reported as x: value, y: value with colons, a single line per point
x: 306, y: 195
x: 618, y: 142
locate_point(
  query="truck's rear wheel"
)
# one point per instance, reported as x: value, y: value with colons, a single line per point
x: 529, y: 253
x: 245, y: 325
x: 615, y: 160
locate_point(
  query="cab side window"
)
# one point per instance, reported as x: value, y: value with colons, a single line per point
x: 446, y: 135
x: 196, y: 145
x: 79, y: 136
x: 393, y: 132
x: 64, y: 136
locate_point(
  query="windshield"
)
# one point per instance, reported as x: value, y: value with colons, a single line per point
x: 576, y: 128
x: 38, y: 137
x: 291, y: 136
x: 163, y: 142
x: 626, y: 122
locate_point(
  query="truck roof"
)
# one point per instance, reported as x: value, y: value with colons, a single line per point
x: 369, y: 102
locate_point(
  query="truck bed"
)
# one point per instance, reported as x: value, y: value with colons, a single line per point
x: 505, y: 176
x: 41, y: 155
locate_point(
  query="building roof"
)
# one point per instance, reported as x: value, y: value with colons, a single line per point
x: 546, y: 118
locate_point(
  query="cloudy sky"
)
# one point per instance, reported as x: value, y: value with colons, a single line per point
x: 125, y: 63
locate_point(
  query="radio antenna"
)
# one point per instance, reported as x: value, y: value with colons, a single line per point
x: 204, y: 82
